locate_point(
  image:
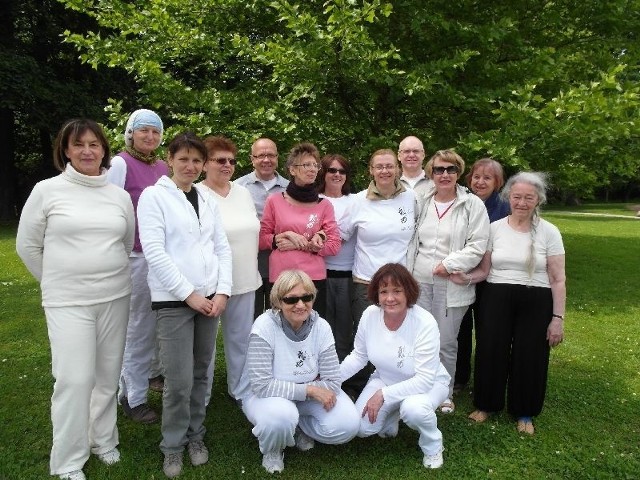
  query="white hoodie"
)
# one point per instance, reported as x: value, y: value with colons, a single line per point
x: 184, y: 253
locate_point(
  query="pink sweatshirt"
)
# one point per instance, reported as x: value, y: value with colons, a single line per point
x: 281, y: 216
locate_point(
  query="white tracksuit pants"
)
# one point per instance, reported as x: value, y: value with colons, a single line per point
x: 86, y: 357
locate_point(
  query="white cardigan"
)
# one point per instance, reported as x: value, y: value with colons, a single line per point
x: 185, y: 253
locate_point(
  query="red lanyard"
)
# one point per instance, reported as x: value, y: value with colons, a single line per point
x: 443, y: 213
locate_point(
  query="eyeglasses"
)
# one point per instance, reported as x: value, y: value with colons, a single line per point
x: 341, y: 171
x: 293, y: 300
x: 451, y: 170
x: 264, y: 156
x: 380, y: 168
x: 415, y: 151
x: 224, y: 160
x: 308, y: 166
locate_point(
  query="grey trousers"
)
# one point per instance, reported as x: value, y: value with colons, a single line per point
x: 433, y: 298
x: 187, y: 340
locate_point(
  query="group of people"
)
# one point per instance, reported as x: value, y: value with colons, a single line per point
x: 341, y: 313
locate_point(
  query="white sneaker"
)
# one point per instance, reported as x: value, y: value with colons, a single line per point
x: 110, y: 457
x: 198, y: 453
x: 273, y: 461
x: 303, y: 441
x: 75, y: 475
x: 433, y: 461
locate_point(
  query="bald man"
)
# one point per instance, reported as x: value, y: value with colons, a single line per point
x: 411, y: 155
x: 262, y: 182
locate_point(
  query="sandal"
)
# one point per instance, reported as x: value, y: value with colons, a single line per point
x: 525, y: 426
x: 447, y: 406
x: 479, y: 416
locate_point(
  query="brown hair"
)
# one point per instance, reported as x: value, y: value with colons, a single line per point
x: 71, y: 130
x: 490, y: 164
x: 215, y: 143
x: 302, y: 150
x: 187, y: 140
x: 325, y: 163
x: 394, y: 273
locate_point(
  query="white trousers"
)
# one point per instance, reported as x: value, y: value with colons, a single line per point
x: 275, y: 420
x: 433, y: 298
x: 237, y: 321
x: 86, y: 357
x: 417, y: 411
x: 141, y: 337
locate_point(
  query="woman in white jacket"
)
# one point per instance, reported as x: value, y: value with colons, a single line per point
x: 190, y: 281
x: 451, y: 236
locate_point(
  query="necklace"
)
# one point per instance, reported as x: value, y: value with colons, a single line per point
x: 440, y: 215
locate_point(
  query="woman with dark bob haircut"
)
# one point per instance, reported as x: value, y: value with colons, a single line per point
x: 75, y: 236
x: 334, y: 184
x: 189, y: 258
x: 402, y: 342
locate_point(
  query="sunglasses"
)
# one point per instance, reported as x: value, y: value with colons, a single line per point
x: 293, y: 300
x: 341, y: 171
x: 224, y: 160
x: 451, y: 169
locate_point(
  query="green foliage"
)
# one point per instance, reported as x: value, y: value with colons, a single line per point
x: 542, y: 85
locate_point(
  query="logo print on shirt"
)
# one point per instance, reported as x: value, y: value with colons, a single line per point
x: 302, y: 356
x: 403, y: 215
x: 401, y: 356
x: 313, y: 219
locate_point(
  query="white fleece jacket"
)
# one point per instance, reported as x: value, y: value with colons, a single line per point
x: 185, y: 253
x: 469, y: 237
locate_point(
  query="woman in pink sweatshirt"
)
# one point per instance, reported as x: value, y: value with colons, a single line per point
x: 299, y: 227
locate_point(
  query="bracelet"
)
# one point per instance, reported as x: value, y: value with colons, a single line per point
x: 561, y: 317
x: 470, y: 280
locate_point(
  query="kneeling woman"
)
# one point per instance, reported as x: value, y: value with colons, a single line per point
x: 190, y: 281
x: 293, y: 370
x: 402, y: 342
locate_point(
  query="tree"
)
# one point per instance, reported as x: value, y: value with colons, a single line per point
x: 352, y: 76
x: 42, y: 83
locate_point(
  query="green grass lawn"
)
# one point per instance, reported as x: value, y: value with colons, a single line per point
x: 589, y: 429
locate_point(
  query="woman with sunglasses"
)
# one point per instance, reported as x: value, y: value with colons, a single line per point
x: 241, y: 224
x: 334, y: 184
x: 451, y: 236
x: 298, y: 226
x: 294, y: 398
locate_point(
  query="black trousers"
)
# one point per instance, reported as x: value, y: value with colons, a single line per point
x: 465, y: 340
x: 512, y: 351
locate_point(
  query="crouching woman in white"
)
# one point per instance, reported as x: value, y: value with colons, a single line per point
x: 293, y: 370
x: 402, y: 342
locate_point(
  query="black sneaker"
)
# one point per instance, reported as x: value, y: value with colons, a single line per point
x: 143, y: 413
x: 156, y: 384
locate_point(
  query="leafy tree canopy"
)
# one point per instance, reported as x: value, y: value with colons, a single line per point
x: 548, y: 85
